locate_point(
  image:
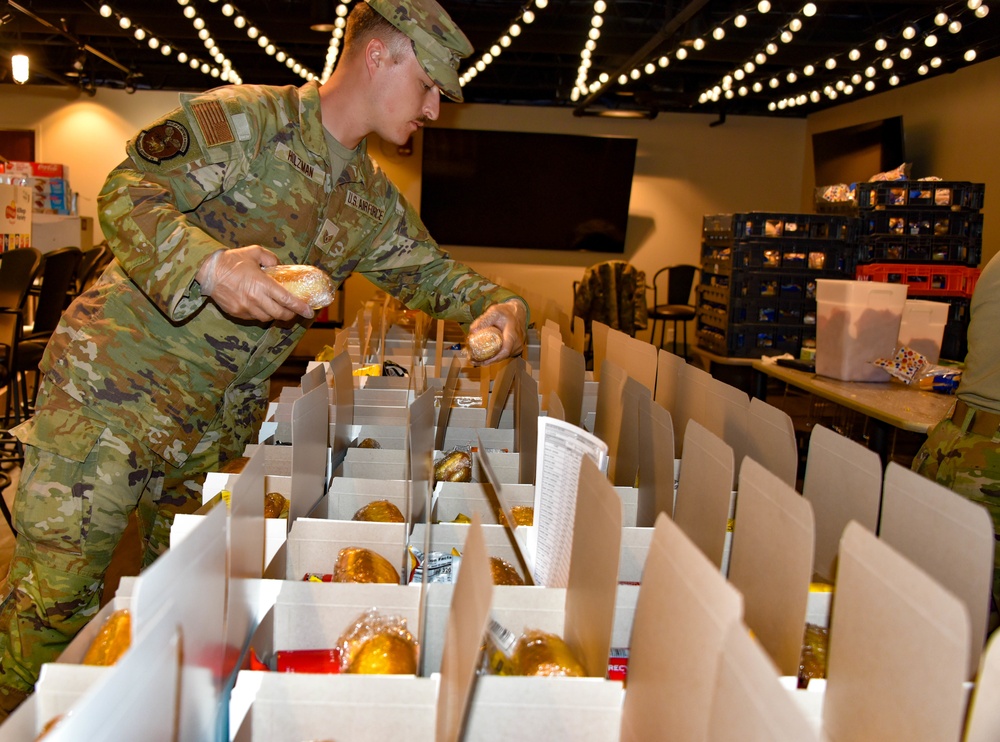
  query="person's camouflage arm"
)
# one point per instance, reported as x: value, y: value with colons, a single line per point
x: 408, y: 264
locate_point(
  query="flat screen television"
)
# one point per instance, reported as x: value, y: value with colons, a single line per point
x: 526, y: 190
x: 854, y: 154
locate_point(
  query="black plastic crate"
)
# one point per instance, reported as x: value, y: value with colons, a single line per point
x: 794, y: 255
x: 938, y: 194
x: 754, y: 340
x: 773, y: 225
x: 922, y: 223
x: 777, y: 285
x: 908, y: 249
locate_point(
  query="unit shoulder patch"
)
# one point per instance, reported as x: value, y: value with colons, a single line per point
x: 162, y: 142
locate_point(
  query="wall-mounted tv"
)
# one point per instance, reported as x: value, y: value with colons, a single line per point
x: 856, y: 153
x: 516, y: 189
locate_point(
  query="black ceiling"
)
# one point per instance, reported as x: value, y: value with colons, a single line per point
x: 70, y: 42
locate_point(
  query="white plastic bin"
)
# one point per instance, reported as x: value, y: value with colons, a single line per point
x: 922, y: 327
x: 856, y: 323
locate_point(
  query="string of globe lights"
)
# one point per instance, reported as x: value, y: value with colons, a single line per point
x: 739, y: 21
x: 582, y: 87
x: 336, y: 35
x: 242, y: 23
x: 222, y: 70
x: 884, y: 63
x: 784, y: 35
x: 527, y: 17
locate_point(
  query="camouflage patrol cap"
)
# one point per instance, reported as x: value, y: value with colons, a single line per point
x: 438, y: 42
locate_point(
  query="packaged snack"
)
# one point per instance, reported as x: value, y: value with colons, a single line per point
x: 378, y: 644
x: 307, y: 282
x: 112, y: 641
x: 484, y: 344
x: 503, y: 572
x: 275, y: 505
x: 379, y: 511
x: 455, y: 466
x: 356, y: 564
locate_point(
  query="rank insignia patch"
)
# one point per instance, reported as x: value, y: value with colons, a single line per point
x: 162, y: 142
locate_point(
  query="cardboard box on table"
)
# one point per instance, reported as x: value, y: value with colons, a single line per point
x: 379, y: 463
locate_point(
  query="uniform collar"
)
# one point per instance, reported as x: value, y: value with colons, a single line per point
x: 311, y: 120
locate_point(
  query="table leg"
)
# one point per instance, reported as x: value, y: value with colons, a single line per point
x: 880, y: 439
x: 759, y: 385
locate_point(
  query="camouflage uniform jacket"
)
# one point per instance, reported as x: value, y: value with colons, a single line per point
x: 237, y: 166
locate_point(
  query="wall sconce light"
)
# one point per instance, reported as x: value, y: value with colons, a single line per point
x: 20, y: 67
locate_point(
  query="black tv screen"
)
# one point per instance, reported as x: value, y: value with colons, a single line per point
x: 516, y: 189
x: 855, y: 153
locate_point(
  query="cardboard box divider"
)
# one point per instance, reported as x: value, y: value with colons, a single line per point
x: 749, y: 702
x: 704, y: 491
x: 843, y: 482
x: 946, y: 535
x: 627, y: 463
x: 636, y: 357
x: 771, y: 562
x: 656, y: 464
x: 137, y: 698
x: 569, y: 385
x: 684, y: 611
x: 669, y: 368
x: 609, y: 409
x: 771, y: 440
x: 899, y: 648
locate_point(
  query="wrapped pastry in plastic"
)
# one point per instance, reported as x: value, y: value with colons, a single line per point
x: 812, y: 663
x: 456, y: 466
x: 379, y: 511
x: 357, y: 564
x: 484, y: 344
x: 369, y: 443
x: 543, y: 654
x: 112, y: 641
x: 312, y: 285
x: 378, y: 644
x: 275, y: 505
x: 503, y: 572
x: 524, y: 515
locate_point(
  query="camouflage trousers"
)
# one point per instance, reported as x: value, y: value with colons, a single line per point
x: 969, y: 464
x: 70, y: 515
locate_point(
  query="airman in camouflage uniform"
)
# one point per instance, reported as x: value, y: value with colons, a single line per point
x: 963, y: 451
x: 159, y: 372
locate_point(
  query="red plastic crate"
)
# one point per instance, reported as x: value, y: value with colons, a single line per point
x: 923, y: 279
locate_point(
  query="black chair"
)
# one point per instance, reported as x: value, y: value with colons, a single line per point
x: 671, y: 301
x: 18, y: 270
x: 58, y: 273
x: 93, y: 260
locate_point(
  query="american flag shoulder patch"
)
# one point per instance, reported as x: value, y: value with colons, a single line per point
x: 213, y: 123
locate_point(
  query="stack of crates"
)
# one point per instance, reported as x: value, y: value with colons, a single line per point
x: 757, y: 294
x: 929, y: 235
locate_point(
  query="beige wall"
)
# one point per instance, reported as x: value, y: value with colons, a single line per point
x: 684, y: 169
x: 950, y: 124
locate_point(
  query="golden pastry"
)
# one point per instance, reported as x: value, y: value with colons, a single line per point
x: 112, y: 641
x: 455, y: 467
x: 379, y: 511
x: 307, y: 282
x: 544, y: 654
x: 275, y: 505
x: 356, y: 564
x: 524, y: 515
x: 484, y: 344
x: 369, y: 443
x: 385, y: 654
x: 504, y: 573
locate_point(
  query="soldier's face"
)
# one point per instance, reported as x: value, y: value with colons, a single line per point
x: 409, y: 99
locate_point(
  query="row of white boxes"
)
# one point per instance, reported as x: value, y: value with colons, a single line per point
x: 693, y: 668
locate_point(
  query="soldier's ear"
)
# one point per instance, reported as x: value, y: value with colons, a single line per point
x: 375, y: 54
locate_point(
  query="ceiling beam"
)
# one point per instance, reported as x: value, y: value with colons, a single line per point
x: 668, y: 30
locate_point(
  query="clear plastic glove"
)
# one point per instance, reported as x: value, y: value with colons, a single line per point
x: 511, y: 318
x: 236, y: 283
